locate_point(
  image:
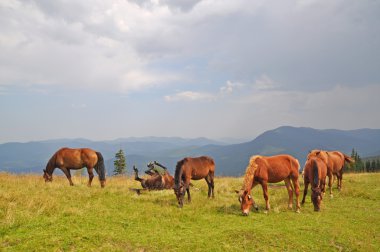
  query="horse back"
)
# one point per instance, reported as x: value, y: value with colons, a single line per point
x: 199, y: 167
x: 336, y: 160
x: 76, y: 158
x: 276, y: 168
x: 315, y: 170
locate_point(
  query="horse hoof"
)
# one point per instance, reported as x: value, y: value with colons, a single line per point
x: 298, y: 211
x: 266, y: 211
x: 331, y: 196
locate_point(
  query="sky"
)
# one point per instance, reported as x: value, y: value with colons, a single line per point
x: 190, y: 68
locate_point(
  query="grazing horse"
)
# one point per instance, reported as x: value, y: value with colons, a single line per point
x: 73, y: 159
x: 155, y: 181
x: 315, y: 172
x: 274, y: 169
x: 334, y: 161
x: 196, y: 169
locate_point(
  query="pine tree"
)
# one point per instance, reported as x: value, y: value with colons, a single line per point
x: 119, y: 163
x: 377, y: 165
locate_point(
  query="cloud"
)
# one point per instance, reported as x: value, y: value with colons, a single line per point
x: 189, y: 96
x: 230, y: 87
x: 264, y: 83
x: 224, y: 92
x: 135, y: 45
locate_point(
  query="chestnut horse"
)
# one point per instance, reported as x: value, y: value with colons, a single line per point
x: 73, y: 159
x: 334, y: 161
x: 315, y: 172
x: 263, y: 170
x: 155, y: 181
x: 196, y: 169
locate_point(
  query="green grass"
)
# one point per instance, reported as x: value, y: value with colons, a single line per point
x: 35, y: 216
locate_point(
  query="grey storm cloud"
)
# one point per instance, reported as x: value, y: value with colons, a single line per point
x: 300, y: 44
x: 296, y: 62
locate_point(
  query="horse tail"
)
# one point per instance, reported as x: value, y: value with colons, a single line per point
x: 348, y: 159
x: 100, y: 168
x: 178, y: 173
x: 298, y: 166
x: 315, y: 173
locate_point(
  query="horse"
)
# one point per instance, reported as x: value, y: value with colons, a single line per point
x: 193, y: 168
x: 334, y: 161
x: 315, y: 172
x: 155, y: 181
x: 263, y: 170
x: 68, y: 159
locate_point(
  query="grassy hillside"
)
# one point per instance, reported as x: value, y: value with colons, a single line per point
x: 35, y: 216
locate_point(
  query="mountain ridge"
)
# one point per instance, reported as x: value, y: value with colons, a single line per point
x: 231, y: 159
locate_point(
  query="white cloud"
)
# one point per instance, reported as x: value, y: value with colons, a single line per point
x: 190, y: 96
x: 264, y: 83
x: 230, y: 87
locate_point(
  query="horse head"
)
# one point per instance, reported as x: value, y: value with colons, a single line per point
x: 179, y: 191
x: 246, y: 201
x: 48, y: 177
x: 316, y: 197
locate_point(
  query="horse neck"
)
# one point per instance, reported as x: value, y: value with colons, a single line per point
x: 50, y: 166
x: 178, y: 173
x: 250, y: 174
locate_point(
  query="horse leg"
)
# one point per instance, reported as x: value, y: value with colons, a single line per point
x: 306, y: 184
x: 331, y: 179
x: 210, y: 182
x: 188, y: 193
x: 340, y: 178
x: 290, y: 192
x: 296, y: 186
x: 137, y: 174
x: 254, y: 203
x: 68, y: 175
x: 264, y: 185
x: 90, y: 175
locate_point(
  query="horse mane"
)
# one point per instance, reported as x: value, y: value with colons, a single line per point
x: 250, y: 173
x: 178, y: 173
x: 99, y: 167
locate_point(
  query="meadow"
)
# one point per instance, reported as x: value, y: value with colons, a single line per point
x: 35, y: 216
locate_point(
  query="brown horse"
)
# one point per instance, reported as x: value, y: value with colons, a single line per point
x: 274, y: 169
x: 315, y: 172
x: 196, y: 169
x: 155, y: 181
x: 334, y: 161
x: 73, y: 159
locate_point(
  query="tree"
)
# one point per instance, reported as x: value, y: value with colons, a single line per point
x: 373, y: 165
x: 119, y: 163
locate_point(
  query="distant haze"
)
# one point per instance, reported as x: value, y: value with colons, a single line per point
x: 104, y: 70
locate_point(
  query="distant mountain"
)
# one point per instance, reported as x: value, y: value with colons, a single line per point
x: 231, y: 160
x: 33, y: 156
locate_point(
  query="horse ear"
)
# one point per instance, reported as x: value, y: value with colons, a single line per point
x: 237, y: 191
x: 44, y: 171
x: 318, y: 152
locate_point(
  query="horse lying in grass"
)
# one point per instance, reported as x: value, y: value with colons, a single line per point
x: 263, y: 170
x: 315, y: 172
x: 160, y: 179
x: 334, y: 160
x: 73, y: 159
x: 196, y: 169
